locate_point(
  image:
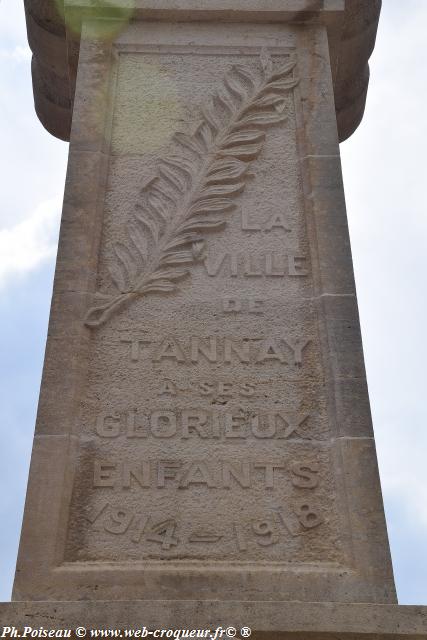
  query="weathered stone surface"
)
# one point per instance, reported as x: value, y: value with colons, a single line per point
x: 204, y: 455
x: 279, y: 620
x: 204, y: 428
x: 54, y: 64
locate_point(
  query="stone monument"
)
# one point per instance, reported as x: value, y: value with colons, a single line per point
x: 204, y: 451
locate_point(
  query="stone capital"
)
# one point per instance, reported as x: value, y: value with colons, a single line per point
x: 352, y: 26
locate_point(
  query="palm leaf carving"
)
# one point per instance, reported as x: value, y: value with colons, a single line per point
x: 196, y: 187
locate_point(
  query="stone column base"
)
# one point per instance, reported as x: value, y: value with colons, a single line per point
x: 284, y: 620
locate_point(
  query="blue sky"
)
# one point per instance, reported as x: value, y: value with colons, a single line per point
x: 384, y: 173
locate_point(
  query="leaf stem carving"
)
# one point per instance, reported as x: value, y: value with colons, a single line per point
x: 195, y: 189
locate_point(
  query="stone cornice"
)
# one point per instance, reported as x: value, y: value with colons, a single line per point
x: 54, y: 83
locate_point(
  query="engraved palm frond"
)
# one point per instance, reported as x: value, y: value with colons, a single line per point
x: 196, y: 187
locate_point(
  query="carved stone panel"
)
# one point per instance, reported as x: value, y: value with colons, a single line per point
x: 214, y: 428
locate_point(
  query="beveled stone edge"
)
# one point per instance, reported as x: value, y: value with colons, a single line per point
x: 53, y: 84
x: 285, y: 620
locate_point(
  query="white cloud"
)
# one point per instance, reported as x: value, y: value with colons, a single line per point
x: 28, y: 244
x: 17, y: 54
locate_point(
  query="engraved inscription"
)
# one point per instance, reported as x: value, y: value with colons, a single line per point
x: 238, y: 305
x: 181, y: 474
x: 202, y: 423
x: 205, y: 433
x: 271, y: 264
x: 168, y: 534
x: 275, y: 221
x: 214, y: 349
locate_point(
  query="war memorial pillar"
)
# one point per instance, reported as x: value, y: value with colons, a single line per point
x: 204, y: 451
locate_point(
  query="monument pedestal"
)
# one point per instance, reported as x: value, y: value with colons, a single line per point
x: 268, y: 620
x: 204, y: 453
